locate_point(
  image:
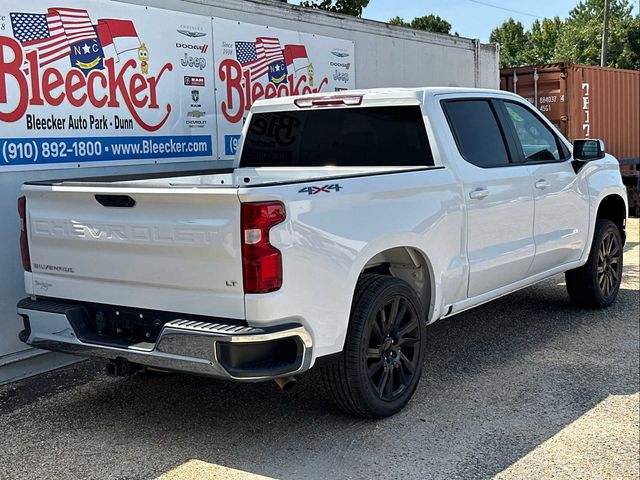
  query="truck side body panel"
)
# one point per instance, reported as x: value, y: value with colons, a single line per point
x: 326, y: 246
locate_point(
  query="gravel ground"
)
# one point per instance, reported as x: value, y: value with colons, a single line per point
x: 524, y: 387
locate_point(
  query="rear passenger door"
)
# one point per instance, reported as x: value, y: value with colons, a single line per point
x: 498, y: 195
x: 561, y: 198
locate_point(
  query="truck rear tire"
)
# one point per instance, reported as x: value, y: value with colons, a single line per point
x: 596, y: 283
x: 381, y: 363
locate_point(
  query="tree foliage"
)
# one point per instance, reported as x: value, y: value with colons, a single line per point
x: 514, y: 42
x: 429, y: 23
x: 543, y: 39
x: 582, y: 34
x: 399, y: 21
x: 577, y: 39
x: 346, y: 7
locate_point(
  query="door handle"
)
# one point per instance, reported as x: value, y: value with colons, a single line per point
x: 479, y: 194
x: 542, y: 184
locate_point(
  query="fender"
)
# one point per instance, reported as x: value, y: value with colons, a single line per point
x: 603, y: 179
x: 428, y: 253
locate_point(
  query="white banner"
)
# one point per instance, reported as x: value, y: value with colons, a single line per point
x: 98, y: 82
x: 254, y: 61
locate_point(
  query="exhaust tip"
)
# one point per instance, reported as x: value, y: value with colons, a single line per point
x: 285, y: 383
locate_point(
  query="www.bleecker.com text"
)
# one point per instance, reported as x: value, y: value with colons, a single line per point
x: 77, y: 122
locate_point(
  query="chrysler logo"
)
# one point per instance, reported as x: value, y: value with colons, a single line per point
x: 192, y: 34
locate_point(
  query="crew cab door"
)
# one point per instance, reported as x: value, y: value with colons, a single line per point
x: 498, y: 196
x: 561, y: 221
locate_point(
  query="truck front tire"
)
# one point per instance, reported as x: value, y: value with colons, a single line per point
x: 596, y: 283
x: 381, y: 363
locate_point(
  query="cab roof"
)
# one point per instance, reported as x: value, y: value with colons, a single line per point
x: 372, y: 97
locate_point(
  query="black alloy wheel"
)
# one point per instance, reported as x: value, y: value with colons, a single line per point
x: 393, y: 348
x: 609, y: 273
x: 596, y: 283
x: 380, y: 366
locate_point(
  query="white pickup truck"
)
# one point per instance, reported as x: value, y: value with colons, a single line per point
x: 352, y: 221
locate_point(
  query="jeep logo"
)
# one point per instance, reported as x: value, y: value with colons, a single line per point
x: 196, y: 62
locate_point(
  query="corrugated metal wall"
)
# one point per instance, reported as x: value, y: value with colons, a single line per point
x: 605, y: 103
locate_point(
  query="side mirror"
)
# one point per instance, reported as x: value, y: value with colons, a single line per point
x: 587, y: 149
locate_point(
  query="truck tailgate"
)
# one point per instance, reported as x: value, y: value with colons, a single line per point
x: 173, y: 249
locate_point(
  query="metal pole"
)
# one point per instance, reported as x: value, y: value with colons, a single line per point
x: 535, y: 87
x: 605, y: 35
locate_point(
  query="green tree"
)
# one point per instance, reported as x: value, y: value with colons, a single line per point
x: 543, y: 39
x: 346, y: 7
x: 399, y: 21
x: 429, y: 23
x: 630, y: 56
x: 513, y: 40
x: 581, y: 37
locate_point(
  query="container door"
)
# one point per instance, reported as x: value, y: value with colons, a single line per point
x: 561, y: 198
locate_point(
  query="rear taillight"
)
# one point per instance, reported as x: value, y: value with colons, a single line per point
x: 261, y: 261
x: 24, y: 241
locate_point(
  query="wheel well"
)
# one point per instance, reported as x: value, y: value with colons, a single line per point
x: 408, y: 264
x: 612, y: 208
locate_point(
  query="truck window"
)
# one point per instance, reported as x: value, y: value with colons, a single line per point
x: 537, y: 142
x: 357, y: 136
x: 477, y: 133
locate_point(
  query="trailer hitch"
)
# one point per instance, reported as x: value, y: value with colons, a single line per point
x: 121, y: 367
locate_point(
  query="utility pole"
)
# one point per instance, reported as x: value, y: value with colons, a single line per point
x: 605, y: 35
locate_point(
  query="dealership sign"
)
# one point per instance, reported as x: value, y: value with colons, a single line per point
x: 99, y: 83
x: 95, y: 82
x: 254, y: 62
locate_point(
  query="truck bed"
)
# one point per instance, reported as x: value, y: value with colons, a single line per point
x: 217, y: 178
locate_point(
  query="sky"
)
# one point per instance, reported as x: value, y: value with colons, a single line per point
x: 472, y: 18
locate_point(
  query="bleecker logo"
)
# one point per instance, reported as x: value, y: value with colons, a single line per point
x: 189, y: 46
x: 288, y: 71
x: 30, y: 63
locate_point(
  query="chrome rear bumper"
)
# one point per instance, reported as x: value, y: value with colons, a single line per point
x: 204, y: 348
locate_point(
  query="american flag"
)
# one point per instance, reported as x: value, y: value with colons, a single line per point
x: 77, y: 24
x: 51, y: 34
x: 43, y: 33
x: 258, y: 55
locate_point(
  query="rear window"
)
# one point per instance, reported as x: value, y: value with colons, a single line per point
x: 362, y: 136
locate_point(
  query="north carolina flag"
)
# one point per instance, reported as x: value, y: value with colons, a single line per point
x: 295, y: 56
x: 117, y: 36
